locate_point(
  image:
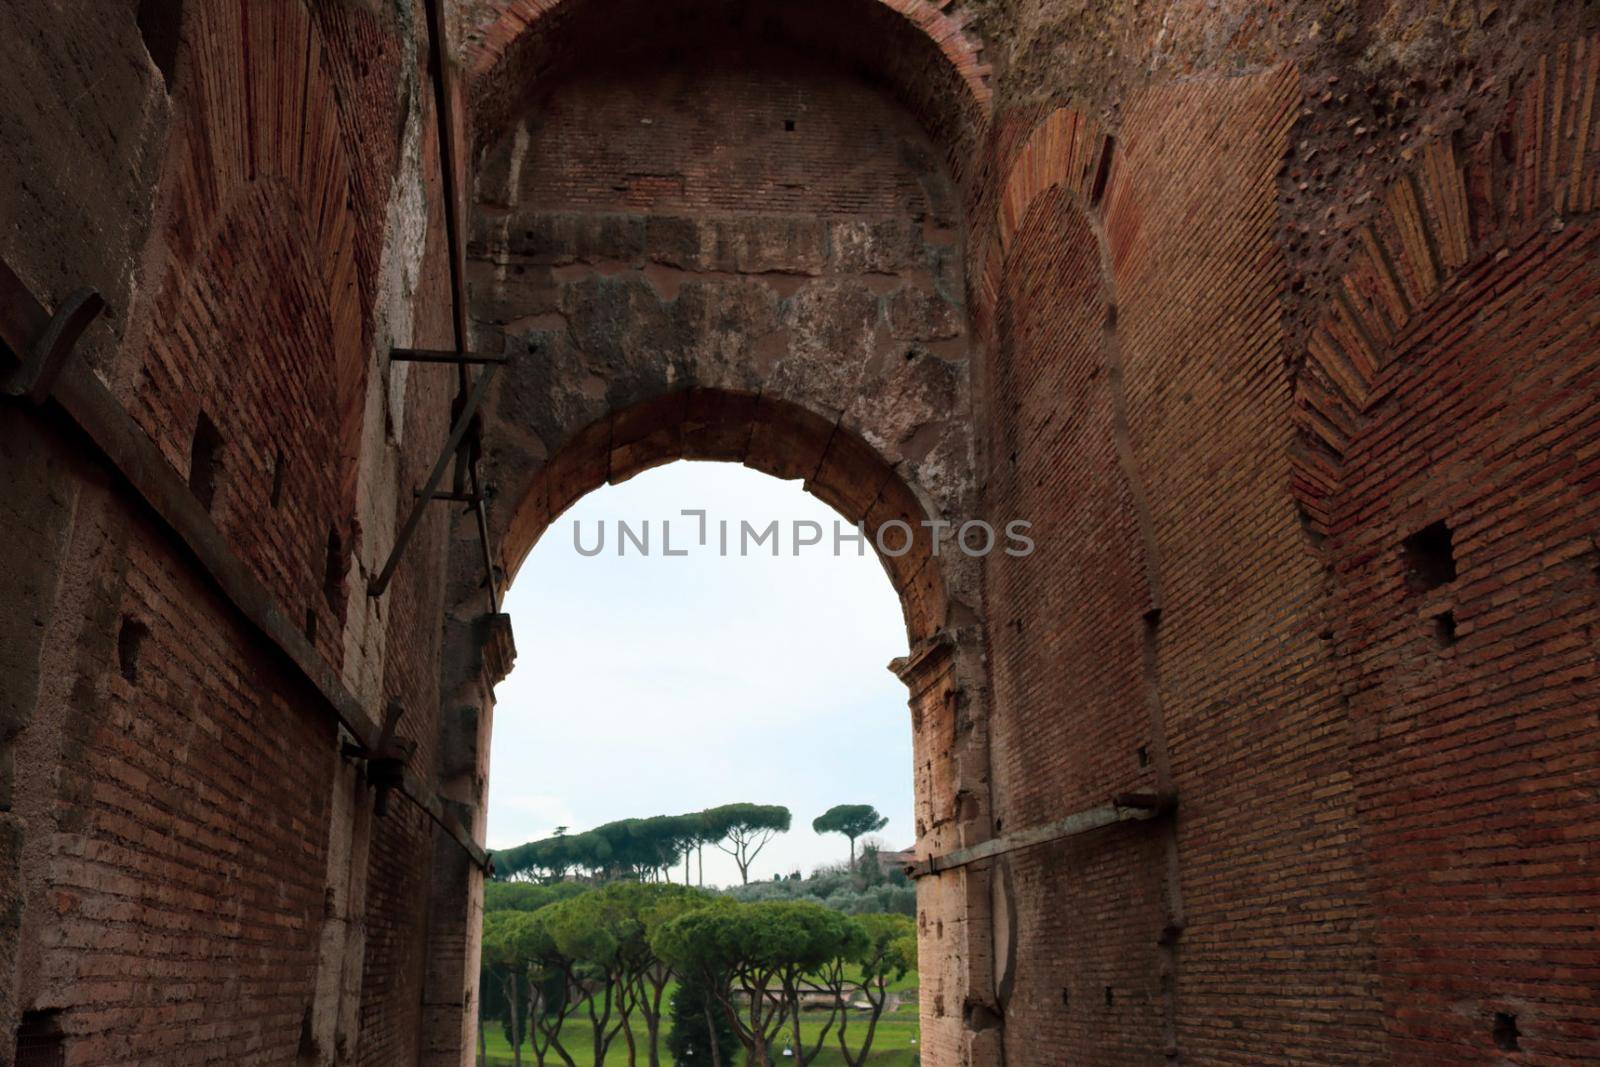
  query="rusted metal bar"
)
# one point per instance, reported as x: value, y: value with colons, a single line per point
x: 453, y: 498
x: 419, y: 794
x: 490, y: 578
x: 445, y: 355
x: 458, y: 433
x: 86, y: 401
x: 1125, y: 807
x: 48, y: 354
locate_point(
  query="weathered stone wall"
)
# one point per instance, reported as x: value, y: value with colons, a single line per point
x: 756, y: 259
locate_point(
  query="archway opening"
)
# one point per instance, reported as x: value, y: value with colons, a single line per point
x: 697, y: 639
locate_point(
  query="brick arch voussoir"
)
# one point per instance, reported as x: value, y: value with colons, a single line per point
x: 1064, y: 150
x: 492, y: 27
x: 263, y: 118
x: 1457, y: 206
x: 776, y: 437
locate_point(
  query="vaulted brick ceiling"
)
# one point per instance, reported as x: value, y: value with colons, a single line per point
x: 920, y: 50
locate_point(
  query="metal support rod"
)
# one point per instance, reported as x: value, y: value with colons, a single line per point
x: 48, y: 354
x: 457, y: 435
x: 1125, y: 807
x: 84, y: 399
x: 445, y: 355
x: 490, y: 578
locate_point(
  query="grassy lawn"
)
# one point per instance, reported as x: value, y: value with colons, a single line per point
x: 894, y: 1044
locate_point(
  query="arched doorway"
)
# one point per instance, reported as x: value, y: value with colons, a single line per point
x: 760, y: 261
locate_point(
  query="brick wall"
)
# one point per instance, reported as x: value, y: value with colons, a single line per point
x: 1380, y: 851
x: 1066, y: 637
x: 184, y: 892
x: 739, y: 132
x: 177, y: 818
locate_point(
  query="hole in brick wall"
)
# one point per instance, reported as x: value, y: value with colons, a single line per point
x: 1507, y: 1037
x: 999, y: 824
x: 333, y: 569
x: 1110, y: 997
x: 160, y: 24
x: 1429, y: 558
x: 311, y: 625
x: 1111, y: 316
x: 205, y: 457
x: 1444, y: 629
x: 276, y: 497
x: 40, y: 1042
x: 1102, y: 171
x: 1314, y: 537
x: 130, y: 645
x: 788, y: 125
x: 309, y: 1052
x: 1066, y: 998
x: 1144, y: 756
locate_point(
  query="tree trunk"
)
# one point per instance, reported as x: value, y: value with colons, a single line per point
x: 799, y: 1042
x: 651, y: 1006
x: 483, y: 1042
x: 711, y: 1032
x: 516, y: 1030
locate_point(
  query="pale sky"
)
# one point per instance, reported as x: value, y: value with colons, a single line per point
x: 649, y: 685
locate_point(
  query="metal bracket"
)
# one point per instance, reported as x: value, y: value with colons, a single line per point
x: 43, y: 356
x: 1124, y: 807
x: 386, y: 759
x: 458, y: 433
x: 445, y: 355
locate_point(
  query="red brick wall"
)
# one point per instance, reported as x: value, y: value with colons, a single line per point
x: 246, y: 341
x: 714, y: 138
x: 1477, y: 762
x: 1066, y: 633
x: 188, y: 825
x: 176, y: 871
x: 1273, y: 962
x: 1381, y: 850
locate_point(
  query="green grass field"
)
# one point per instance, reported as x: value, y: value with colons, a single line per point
x: 894, y: 1044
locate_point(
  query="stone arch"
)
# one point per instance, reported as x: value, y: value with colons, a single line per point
x: 496, y: 26
x: 1063, y: 150
x: 920, y: 49
x: 807, y: 319
x: 776, y: 437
